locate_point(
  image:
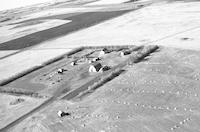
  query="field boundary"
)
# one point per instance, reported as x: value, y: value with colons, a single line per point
x: 143, y: 51
x: 32, y: 69
x: 55, y: 59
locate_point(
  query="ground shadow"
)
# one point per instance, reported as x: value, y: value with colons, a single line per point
x: 79, y: 21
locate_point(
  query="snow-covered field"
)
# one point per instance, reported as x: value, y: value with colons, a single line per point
x: 59, y: 11
x: 10, y: 113
x: 9, y: 32
x: 9, y: 4
x: 163, y: 24
x: 26, y: 60
x: 104, y: 2
x: 175, y: 24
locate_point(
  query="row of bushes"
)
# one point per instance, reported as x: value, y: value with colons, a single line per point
x: 141, y: 54
x: 16, y: 91
x: 102, y: 81
x: 19, y: 75
x: 113, y: 47
x: 23, y: 73
x: 74, y: 51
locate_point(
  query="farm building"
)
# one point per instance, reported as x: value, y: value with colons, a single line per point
x: 125, y: 52
x: 90, y: 61
x: 62, y: 113
x: 73, y: 63
x: 104, y: 68
x: 95, y: 59
x: 60, y: 71
x: 103, y: 52
x: 95, y: 67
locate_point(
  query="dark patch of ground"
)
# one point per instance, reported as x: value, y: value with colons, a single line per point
x: 31, y: 23
x: 4, y: 19
x: 78, y: 22
x: 131, y: 1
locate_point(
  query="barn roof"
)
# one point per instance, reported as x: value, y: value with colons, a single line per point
x: 97, y: 66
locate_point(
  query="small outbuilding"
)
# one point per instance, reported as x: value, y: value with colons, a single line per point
x: 90, y: 61
x: 62, y: 113
x: 95, y: 59
x: 60, y: 71
x: 123, y: 53
x: 103, y: 52
x: 95, y: 67
x: 104, y: 68
x: 73, y: 63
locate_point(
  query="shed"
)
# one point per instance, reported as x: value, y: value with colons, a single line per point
x: 73, y: 63
x: 60, y: 71
x: 125, y: 52
x: 104, y: 68
x: 62, y: 113
x: 90, y: 61
x: 103, y: 52
x: 95, y: 67
x: 95, y: 59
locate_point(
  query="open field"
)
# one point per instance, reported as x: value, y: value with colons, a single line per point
x: 159, y: 94
x: 13, y: 107
x: 27, y: 60
x: 16, y: 50
x: 45, y: 79
x: 78, y: 22
x: 89, y: 66
x: 17, y: 31
x: 14, y: 62
x: 74, y: 80
x: 164, y: 23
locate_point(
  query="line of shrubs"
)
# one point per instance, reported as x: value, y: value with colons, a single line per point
x: 30, y: 70
x: 19, y: 75
x: 141, y: 54
x: 15, y: 91
x: 101, y: 82
x: 74, y: 51
x: 112, y: 47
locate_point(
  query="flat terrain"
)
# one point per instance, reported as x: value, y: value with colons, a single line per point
x: 159, y: 94
x: 147, y: 53
x: 78, y: 22
x: 13, y: 107
x: 26, y: 44
x: 46, y: 83
x: 164, y: 23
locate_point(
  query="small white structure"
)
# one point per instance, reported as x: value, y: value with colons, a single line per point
x: 95, y: 59
x: 60, y: 71
x: 103, y: 52
x: 73, y: 63
x: 123, y: 53
x: 59, y: 113
x: 95, y: 67
x: 62, y: 113
x: 90, y: 61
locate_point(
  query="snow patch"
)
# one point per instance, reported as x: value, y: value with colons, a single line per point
x: 105, y: 2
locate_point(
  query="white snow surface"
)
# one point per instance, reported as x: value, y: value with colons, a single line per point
x: 164, y: 24
x: 10, y: 4
x: 104, y: 2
